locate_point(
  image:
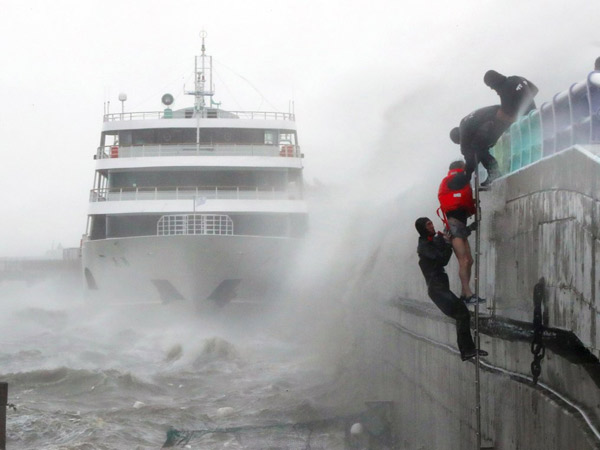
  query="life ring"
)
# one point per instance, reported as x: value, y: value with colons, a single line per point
x: 287, y: 151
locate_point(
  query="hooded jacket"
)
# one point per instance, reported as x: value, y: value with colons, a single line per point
x: 480, y: 130
x: 516, y: 93
x: 434, y: 253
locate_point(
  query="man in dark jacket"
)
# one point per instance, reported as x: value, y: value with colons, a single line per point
x: 434, y: 253
x: 477, y: 134
x: 479, y: 131
x: 516, y: 93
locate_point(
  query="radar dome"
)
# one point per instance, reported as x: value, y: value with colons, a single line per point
x: 167, y: 99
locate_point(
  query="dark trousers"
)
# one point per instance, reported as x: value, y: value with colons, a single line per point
x: 485, y: 158
x: 439, y: 291
x: 481, y: 138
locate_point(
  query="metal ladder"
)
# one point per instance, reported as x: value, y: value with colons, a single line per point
x: 480, y: 444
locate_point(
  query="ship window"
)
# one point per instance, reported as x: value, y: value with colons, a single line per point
x: 98, y: 227
x: 126, y: 225
x: 125, y: 138
x: 287, y: 138
x: 248, y: 136
x: 109, y: 138
x: 237, y: 136
x: 141, y: 137
x: 189, y: 136
x: 262, y: 179
x: 170, y: 136
x: 270, y: 137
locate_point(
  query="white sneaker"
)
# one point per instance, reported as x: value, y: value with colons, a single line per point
x: 474, y: 299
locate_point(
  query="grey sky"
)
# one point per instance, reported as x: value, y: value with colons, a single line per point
x: 376, y: 84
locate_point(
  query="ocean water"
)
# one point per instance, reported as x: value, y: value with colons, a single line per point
x: 83, y: 377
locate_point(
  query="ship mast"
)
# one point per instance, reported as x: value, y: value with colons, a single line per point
x: 203, y: 85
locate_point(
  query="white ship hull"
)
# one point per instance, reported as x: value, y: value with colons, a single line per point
x: 198, y: 269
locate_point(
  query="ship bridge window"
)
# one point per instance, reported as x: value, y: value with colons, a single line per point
x: 170, y: 136
x: 287, y: 138
x: 271, y: 137
x: 262, y: 179
x: 166, y: 136
x: 125, y: 138
x: 142, y: 137
x: 235, y: 136
x: 109, y: 138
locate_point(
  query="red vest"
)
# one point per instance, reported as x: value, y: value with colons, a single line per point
x: 453, y: 200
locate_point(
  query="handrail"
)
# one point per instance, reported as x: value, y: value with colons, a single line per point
x: 572, y: 117
x: 157, y: 150
x: 191, y: 192
x: 194, y: 224
x: 207, y: 114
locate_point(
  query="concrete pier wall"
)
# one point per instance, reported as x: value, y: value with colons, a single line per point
x: 539, y: 222
x: 543, y: 221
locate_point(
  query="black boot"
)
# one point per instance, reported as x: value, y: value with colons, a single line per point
x: 491, y: 177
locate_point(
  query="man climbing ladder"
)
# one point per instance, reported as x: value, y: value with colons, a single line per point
x: 434, y: 252
x: 457, y: 205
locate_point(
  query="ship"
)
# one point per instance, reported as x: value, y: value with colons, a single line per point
x: 198, y: 204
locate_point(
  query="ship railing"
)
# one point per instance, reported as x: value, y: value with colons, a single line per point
x: 194, y: 224
x: 208, y: 114
x: 572, y: 117
x: 194, y: 192
x: 142, y: 151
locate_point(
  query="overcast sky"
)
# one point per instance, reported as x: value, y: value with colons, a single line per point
x: 376, y: 84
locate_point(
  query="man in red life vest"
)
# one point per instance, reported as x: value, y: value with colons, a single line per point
x: 457, y: 205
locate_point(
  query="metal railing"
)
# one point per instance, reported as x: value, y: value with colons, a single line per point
x: 142, y: 151
x: 572, y: 117
x: 194, y: 224
x: 189, y: 114
x: 191, y: 192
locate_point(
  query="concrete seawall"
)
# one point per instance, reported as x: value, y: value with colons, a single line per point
x: 539, y: 222
x: 543, y: 221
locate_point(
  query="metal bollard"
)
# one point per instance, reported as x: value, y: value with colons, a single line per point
x: 3, y: 405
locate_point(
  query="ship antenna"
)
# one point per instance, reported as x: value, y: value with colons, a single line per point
x: 199, y: 94
x: 202, y: 68
x: 203, y: 76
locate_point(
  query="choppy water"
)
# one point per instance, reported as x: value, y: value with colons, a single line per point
x: 86, y: 378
